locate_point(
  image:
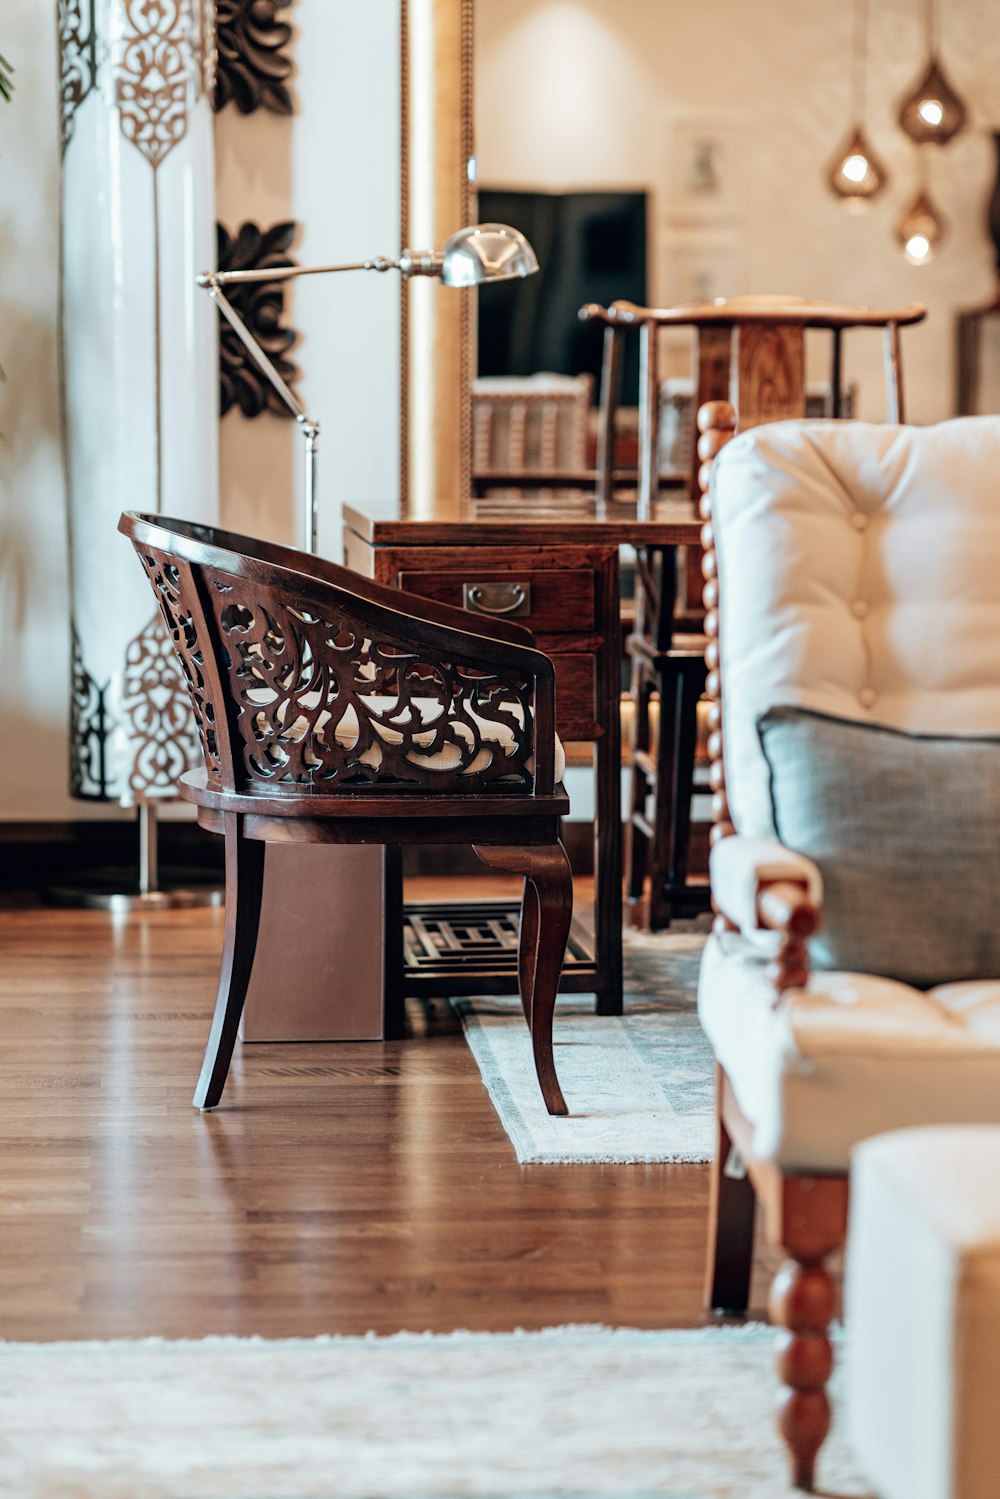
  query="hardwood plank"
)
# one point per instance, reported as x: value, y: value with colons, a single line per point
x: 341, y: 1187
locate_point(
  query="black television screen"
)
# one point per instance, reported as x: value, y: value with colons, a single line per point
x: 591, y: 247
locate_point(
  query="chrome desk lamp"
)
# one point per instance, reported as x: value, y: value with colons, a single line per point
x: 477, y: 253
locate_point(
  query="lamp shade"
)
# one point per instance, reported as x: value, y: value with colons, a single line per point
x: 932, y: 113
x: 856, y: 174
x: 921, y: 229
x: 486, y: 252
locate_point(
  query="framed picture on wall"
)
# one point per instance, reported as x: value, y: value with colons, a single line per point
x: 703, y: 177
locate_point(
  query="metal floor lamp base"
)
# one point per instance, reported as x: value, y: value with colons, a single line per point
x: 117, y: 890
x: 142, y: 888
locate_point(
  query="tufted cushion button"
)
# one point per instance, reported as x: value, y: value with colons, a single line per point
x: 859, y: 520
x: 859, y: 609
x: 867, y: 697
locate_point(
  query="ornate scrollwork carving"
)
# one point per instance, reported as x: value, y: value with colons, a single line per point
x: 252, y: 65
x: 182, y: 636
x: 161, y: 67
x: 162, y: 732
x: 90, y: 726
x: 320, y: 701
x: 261, y: 305
x: 77, y: 60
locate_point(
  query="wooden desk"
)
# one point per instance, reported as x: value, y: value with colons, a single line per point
x: 553, y: 565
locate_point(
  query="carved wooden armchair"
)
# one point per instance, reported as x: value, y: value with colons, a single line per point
x: 333, y: 710
x: 852, y: 982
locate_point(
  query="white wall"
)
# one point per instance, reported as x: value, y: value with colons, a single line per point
x: 589, y: 93
x: 334, y: 167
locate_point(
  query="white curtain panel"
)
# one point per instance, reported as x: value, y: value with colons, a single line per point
x: 140, y: 365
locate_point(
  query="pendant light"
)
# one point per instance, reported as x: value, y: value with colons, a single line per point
x: 922, y: 226
x: 856, y: 174
x: 932, y: 113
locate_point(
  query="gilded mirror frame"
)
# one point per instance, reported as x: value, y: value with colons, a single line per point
x: 437, y: 196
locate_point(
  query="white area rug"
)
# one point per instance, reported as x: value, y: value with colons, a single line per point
x: 576, y: 1413
x: 639, y: 1087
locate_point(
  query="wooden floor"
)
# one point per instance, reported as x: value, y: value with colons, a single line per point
x: 340, y: 1188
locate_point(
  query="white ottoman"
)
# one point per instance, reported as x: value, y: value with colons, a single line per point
x: 922, y: 1312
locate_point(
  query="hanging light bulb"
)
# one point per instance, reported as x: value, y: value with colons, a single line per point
x: 932, y: 113
x: 856, y: 174
x: 922, y: 227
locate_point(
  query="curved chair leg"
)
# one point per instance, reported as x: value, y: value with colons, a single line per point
x: 527, y: 947
x: 732, y: 1207
x: 244, y: 886
x: 542, y: 946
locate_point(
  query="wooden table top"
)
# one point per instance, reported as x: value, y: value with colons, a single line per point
x: 561, y: 519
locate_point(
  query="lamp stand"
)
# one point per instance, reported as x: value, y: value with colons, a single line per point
x: 124, y: 889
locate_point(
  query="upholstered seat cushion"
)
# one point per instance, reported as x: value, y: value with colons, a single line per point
x: 905, y: 831
x: 847, y: 1057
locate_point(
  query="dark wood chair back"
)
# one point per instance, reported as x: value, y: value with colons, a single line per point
x: 307, y: 678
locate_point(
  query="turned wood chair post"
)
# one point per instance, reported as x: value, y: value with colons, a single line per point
x: 611, y: 362
x: 649, y: 419
x: 894, y: 373
x: 837, y: 373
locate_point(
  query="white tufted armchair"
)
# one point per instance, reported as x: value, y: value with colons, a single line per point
x: 854, y: 593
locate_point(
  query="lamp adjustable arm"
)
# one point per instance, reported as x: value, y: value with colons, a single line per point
x: 409, y: 264
x: 479, y: 252
x: 423, y: 263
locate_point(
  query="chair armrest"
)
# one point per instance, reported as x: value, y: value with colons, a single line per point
x: 762, y: 886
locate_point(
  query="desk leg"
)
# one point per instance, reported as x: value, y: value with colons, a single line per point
x: 608, y: 821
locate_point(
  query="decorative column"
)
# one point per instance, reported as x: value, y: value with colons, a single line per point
x: 140, y: 366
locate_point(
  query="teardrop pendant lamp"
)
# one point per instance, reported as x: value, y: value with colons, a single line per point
x: 922, y: 226
x: 856, y: 174
x: 932, y: 113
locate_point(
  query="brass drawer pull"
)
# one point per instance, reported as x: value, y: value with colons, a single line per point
x: 497, y: 598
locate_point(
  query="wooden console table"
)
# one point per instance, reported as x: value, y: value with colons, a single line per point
x: 554, y: 566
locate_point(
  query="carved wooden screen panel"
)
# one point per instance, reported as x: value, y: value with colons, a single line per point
x: 175, y: 594
x: 326, y: 699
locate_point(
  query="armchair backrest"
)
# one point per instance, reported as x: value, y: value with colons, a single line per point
x: 306, y: 677
x: 858, y: 575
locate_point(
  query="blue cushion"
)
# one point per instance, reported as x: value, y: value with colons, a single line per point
x: 905, y: 829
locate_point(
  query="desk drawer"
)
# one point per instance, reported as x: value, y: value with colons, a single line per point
x: 549, y: 600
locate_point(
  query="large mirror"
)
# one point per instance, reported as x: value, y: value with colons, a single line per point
x: 722, y: 125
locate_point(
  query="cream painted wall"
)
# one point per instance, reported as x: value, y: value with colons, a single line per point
x: 334, y: 167
x: 601, y: 88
